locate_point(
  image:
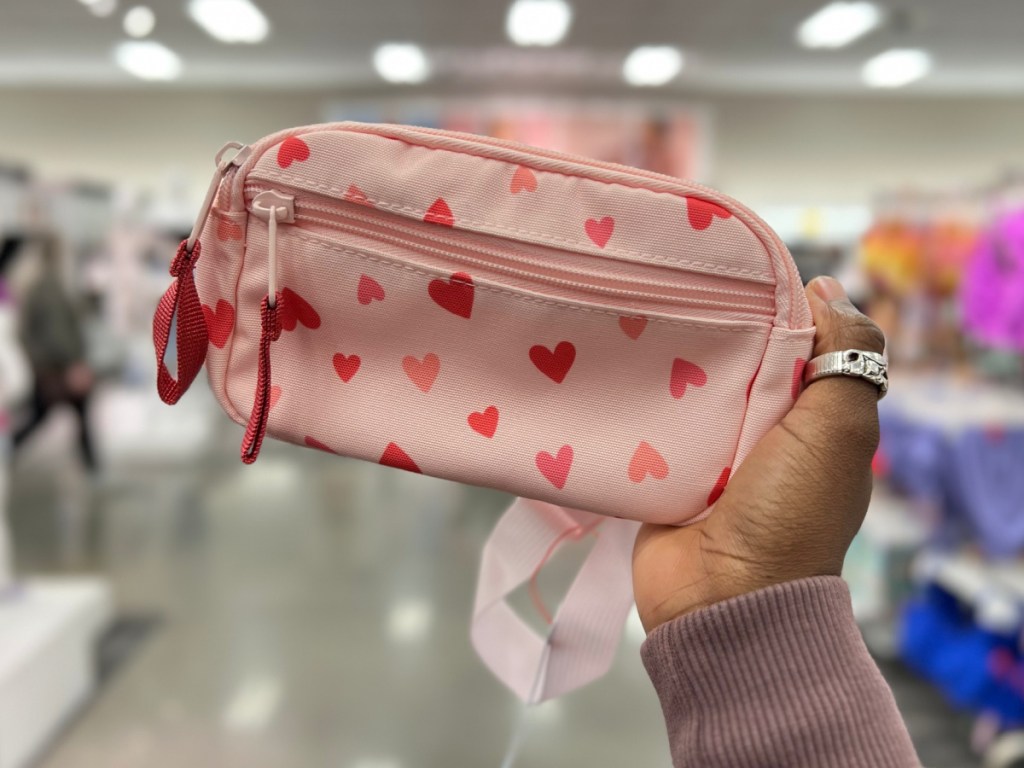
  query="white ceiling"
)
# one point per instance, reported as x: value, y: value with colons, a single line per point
x: 731, y: 45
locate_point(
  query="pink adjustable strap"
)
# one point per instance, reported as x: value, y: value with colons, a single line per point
x: 588, y: 625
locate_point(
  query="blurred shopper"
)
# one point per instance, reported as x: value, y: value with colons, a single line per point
x: 53, y: 337
x: 752, y: 643
x: 14, y: 386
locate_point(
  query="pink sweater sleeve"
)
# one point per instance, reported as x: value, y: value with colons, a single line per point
x: 779, y: 677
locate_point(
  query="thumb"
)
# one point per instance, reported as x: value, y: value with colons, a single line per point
x: 840, y: 325
x: 840, y: 405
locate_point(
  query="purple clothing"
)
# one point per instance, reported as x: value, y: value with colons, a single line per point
x: 778, y: 677
x: 992, y: 294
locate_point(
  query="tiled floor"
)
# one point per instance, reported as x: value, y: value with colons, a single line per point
x: 310, y: 611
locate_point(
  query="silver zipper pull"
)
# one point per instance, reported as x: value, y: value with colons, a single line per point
x: 223, y: 163
x: 274, y: 208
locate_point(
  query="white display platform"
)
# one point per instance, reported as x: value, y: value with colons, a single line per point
x: 48, y: 634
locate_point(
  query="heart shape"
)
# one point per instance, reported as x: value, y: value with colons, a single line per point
x: 440, y: 213
x: 647, y: 461
x: 219, y: 322
x: 484, y: 422
x: 346, y: 366
x: 312, y: 442
x: 369, y: 290
x: 798, y: 377
x: 454, y: 294
x: 228, y: 230
x: 275, y: 395
x: 600, y: 231
x: 293, y: 149
x: 555, y: 365
x: 394, y: 456
x: 702, y: 212
x: 522, y: 179
x: 633, y: 326
x: 719, y: 489
x: 556, y: 468
x: 423, y: 372
x: 293, y: 309
x: 683, y: 373
x: 356, y: 195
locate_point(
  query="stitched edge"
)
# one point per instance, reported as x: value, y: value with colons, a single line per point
x: 273, y: 175
x: 741, y: 326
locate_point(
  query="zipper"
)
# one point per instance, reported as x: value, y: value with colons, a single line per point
x: 533, y: 264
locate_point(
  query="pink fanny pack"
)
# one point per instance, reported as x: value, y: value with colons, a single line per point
x: 584, y: 335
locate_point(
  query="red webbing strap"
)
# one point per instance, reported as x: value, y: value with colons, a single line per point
x: 191, y: 338
x: 257, y: 428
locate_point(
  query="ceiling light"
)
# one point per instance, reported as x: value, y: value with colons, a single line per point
x: 896, y: 68
x: 652, y: 65
x: 139, y: 21
x: 401, y: 63
x: 100, y: 7
x: 148, y: 60
x: 230, y: 21
x: 538, y: 22
x: 839, y: 24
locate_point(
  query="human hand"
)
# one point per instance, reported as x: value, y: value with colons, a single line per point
x: 78, y: 380
x: 792, y: 508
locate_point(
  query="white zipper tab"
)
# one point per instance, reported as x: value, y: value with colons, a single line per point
x: 274, y: 208
x: 241, y: 155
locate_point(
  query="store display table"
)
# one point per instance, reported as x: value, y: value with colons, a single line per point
x: 48, y: 634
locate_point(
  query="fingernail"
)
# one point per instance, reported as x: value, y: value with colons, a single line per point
x: 828, y: 288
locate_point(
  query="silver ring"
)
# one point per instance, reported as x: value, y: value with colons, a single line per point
x: 857, y: 363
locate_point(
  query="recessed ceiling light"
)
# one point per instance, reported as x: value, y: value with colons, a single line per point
x: 538, y: 22
x: 100, y: 7
x: 839, y: 24
x: 148, y: 60
x: 651, y: 65
x: 230, y: 21
x: 401, y: 63
x: 139, y: 21
x: 896, y: 68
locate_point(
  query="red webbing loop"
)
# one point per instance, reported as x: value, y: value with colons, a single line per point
x: 257, y: 428
x: 191, y: 337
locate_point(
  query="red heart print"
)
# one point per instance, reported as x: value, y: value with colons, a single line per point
x: 454, y: 294
x: 633, y: 326
x: 719, y: 489
x: 312, y: 442
x: 798, y: 377
x: 293, y: 309
x: 394, y: 456
x: 683, y: 373
x: 275, y: 395
x: 556, y: 468
x: 423, y: 372
x: 555, y: 365
x: 346, y: 366
x: 647, y: 461
x: 228, y: 230
x: 291, y: 150
x: 368, y: 290
x: 219, y: 322
x: 701, y: 212
x: 600, y: 231
x: 356, y: 195
x: 484, y: 422
x: 440, y: 213
x: 522, y: 179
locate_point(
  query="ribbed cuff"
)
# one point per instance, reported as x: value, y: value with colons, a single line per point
x: 778, y: 677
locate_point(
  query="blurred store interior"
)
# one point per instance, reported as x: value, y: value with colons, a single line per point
x: 163, y: 605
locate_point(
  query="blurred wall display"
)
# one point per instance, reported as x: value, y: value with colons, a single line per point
x: 669, y: 140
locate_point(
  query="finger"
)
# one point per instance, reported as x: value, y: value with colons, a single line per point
x: 839, y: 413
